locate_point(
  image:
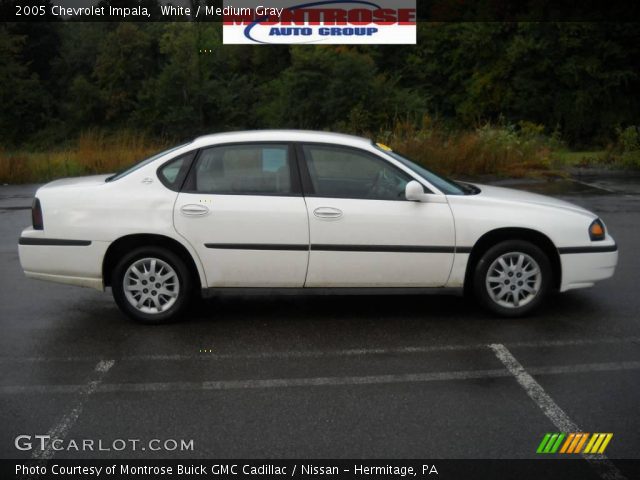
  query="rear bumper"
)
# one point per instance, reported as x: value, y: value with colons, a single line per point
x: 95, y: 283
x: 73, y: 262
x: 582, y: 268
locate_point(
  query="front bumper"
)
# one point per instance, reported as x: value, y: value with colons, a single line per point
x: 582, y: 268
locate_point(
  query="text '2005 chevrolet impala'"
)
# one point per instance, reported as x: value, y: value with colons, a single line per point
x: 305, y: 210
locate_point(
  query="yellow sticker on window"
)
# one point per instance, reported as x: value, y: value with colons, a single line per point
x: 384, y: 147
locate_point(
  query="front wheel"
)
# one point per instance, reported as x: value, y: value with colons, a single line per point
x: 512, y: 278
x: 151, y: 285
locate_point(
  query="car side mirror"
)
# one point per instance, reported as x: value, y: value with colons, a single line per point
x: 414, y: 192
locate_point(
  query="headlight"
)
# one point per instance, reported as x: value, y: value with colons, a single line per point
x: 596, y: 230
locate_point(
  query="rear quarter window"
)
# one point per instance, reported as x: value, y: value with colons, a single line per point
x: 173, y: 173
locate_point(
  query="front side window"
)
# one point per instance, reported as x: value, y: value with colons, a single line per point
x: 448, y: 187
x: 244, y: 170
x: 341, y: 172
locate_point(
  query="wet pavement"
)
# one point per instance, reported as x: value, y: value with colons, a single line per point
x: 325, y: 377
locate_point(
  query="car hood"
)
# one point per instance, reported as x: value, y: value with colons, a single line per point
x: 510, y: 195
x: 77, y: 182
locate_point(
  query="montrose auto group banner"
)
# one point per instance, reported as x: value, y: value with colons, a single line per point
x: 319, y: 22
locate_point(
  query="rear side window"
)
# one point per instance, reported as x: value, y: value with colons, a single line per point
x: 142, y: 163
x: 173, y: 173
x: 244, y: 170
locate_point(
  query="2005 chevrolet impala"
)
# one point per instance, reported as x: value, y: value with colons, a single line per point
x: 305, y: 210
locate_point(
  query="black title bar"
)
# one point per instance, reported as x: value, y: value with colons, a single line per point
x: 428, y: 10
x: 541, y: 468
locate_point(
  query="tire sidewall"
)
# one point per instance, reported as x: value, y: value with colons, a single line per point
x: 168, y: 316
x: 480, y: 273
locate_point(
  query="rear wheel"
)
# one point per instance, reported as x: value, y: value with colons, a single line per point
x: 151, y: 285
x: 512, y: 278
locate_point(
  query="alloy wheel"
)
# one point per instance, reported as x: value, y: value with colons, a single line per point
x: 151, y: 285
x: 513, y: 280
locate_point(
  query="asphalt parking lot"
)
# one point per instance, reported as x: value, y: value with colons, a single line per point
x: 324, y: 377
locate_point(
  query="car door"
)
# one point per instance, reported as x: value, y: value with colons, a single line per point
x: 363, y: 232
x: 242, y: 210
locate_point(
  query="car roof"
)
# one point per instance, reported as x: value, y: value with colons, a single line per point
x: 281, y: 136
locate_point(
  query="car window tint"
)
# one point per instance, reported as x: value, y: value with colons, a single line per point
x: 347, y: 173
x: 172, y: 173
x: 244, y: 170
x: 142, y: 163
x: 171, y: 170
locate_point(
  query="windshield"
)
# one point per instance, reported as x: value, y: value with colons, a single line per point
x: 446, y: 186
x: 142, y: 163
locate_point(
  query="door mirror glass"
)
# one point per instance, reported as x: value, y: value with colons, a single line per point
x: 414, y: 192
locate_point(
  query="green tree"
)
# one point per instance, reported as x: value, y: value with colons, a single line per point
x: 124, y: 62
x: 579, y: 76
x: 334, y: 87
x: 25, y: 104
x: 79, y: 102
x: 181, y: 98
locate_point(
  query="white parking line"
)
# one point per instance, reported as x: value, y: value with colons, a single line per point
x: 60, y: 430
x: 259, y: 383
x: 595, y: 185
x: 314, y: 381
x: 292, y: 354
x: 605, y: 468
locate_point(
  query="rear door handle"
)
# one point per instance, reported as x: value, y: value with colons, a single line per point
x: 328, y: 213
x: 194, y: 210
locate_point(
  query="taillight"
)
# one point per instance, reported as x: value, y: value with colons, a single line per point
x: 36, y: 215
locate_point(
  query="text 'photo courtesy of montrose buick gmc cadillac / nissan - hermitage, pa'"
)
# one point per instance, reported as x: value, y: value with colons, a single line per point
x: 306, y: 211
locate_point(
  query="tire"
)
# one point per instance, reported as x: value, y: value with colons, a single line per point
x: 505, y: 279
x: 162, y: 300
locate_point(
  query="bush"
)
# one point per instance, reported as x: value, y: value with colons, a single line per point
x: 516, y: 151
x: 94, y: 152
x: 628, y: 145
x: 509, y: 150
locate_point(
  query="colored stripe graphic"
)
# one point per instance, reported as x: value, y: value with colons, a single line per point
x: 578, y: 438
x: 544, y: 441
x: 574, y: 442
x: 606, y: 442
x: 598, y: 443
x: 567, y: 443
x: 591, y: 442
x: 550, y: 443
x: 556, y: 445
x: 581, y: 443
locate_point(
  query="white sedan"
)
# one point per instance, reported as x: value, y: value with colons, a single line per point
x: 310, y: 211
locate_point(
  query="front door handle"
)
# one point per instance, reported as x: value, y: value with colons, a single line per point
x: 328, y: 213
x: 194, y: 210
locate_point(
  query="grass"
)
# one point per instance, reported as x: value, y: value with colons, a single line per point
x: 486, y: 150
x: 585, y: 158
x: 94, y: 152
x: 521, y: 151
